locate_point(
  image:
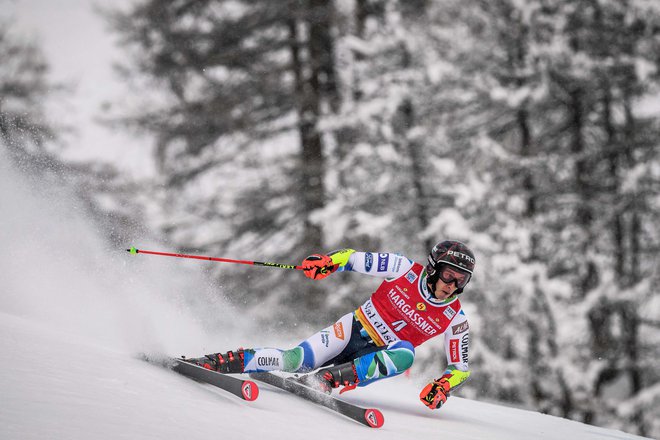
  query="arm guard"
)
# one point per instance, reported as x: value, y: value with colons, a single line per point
x: 341, y: 257
x: 455, y: 377
x: 382, y: 265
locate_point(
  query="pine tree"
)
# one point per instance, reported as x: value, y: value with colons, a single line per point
x: 617, y: 39
x: 23, y: 86
x: 244, y: 85
x: 547, y: 92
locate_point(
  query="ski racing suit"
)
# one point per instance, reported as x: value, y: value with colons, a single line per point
x: 381, y: 335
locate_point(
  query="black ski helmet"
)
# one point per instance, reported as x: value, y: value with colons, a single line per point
x: 453, y: 253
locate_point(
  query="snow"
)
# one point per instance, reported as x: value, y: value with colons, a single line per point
x: 74, y: 312
x: 63, y: 386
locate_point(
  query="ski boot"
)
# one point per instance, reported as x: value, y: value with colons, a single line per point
x: 227, y: 363
x: 332, y: 377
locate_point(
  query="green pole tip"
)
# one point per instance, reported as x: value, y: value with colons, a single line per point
x: 132, y: 250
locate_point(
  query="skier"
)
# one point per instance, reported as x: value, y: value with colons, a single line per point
x: 414, y: 304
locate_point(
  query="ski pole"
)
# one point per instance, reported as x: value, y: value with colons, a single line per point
x: 133, y: 250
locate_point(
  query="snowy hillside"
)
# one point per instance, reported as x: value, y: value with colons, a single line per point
x: 59, y: 385
x: 74, y: 311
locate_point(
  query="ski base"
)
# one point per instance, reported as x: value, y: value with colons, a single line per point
x: 245, y: 389
x: 370, y: 417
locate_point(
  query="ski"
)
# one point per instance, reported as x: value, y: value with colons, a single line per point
x: 245, y: 389
x: 370, y: 417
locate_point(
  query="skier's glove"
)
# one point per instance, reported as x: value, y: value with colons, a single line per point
x: 435, y: 394
x: 318, y: 266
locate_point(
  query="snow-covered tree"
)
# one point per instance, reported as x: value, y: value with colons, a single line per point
x: 518, y: 126
x: 545, y: 99
x: 244, y: 85
x: 23, y: 87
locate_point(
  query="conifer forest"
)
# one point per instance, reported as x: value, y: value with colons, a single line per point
x: 527, y: 129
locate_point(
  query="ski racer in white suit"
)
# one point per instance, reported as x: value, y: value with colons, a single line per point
x: 413, y: 304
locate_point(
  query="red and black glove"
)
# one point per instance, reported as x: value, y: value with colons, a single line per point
x: 318, y: 266
x: 435, y: 394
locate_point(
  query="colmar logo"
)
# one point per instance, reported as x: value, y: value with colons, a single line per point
x: 464, y: 348
x: 267, y: 361
x: 339, y: 330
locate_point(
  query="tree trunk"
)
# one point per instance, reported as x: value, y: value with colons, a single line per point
x: 407, y: 114
x: 613, y: 159
x: 312, y: 193
x: 322, y: 52
x: 587, y: 271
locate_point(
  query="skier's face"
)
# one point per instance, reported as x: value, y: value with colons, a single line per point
x: 444, y: 290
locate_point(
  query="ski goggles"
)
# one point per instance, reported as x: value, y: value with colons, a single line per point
x: 449, y: 275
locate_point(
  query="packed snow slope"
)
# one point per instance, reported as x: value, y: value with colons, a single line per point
x: 74, y: 311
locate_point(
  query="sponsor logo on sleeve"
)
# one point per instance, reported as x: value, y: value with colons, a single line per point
x: 383, y: 259
x: 460, y: 328
x: 368, y: 261
x: 449, y: 312
x: 411, y: 276
x: 397, y: 263
x: 325, y: 338
x: 453, y: 351
x: 465, y: 341
x: 339, y: 330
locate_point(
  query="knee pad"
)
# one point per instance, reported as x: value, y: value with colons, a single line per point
x: 403, y: 353
x: 391, y: 361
